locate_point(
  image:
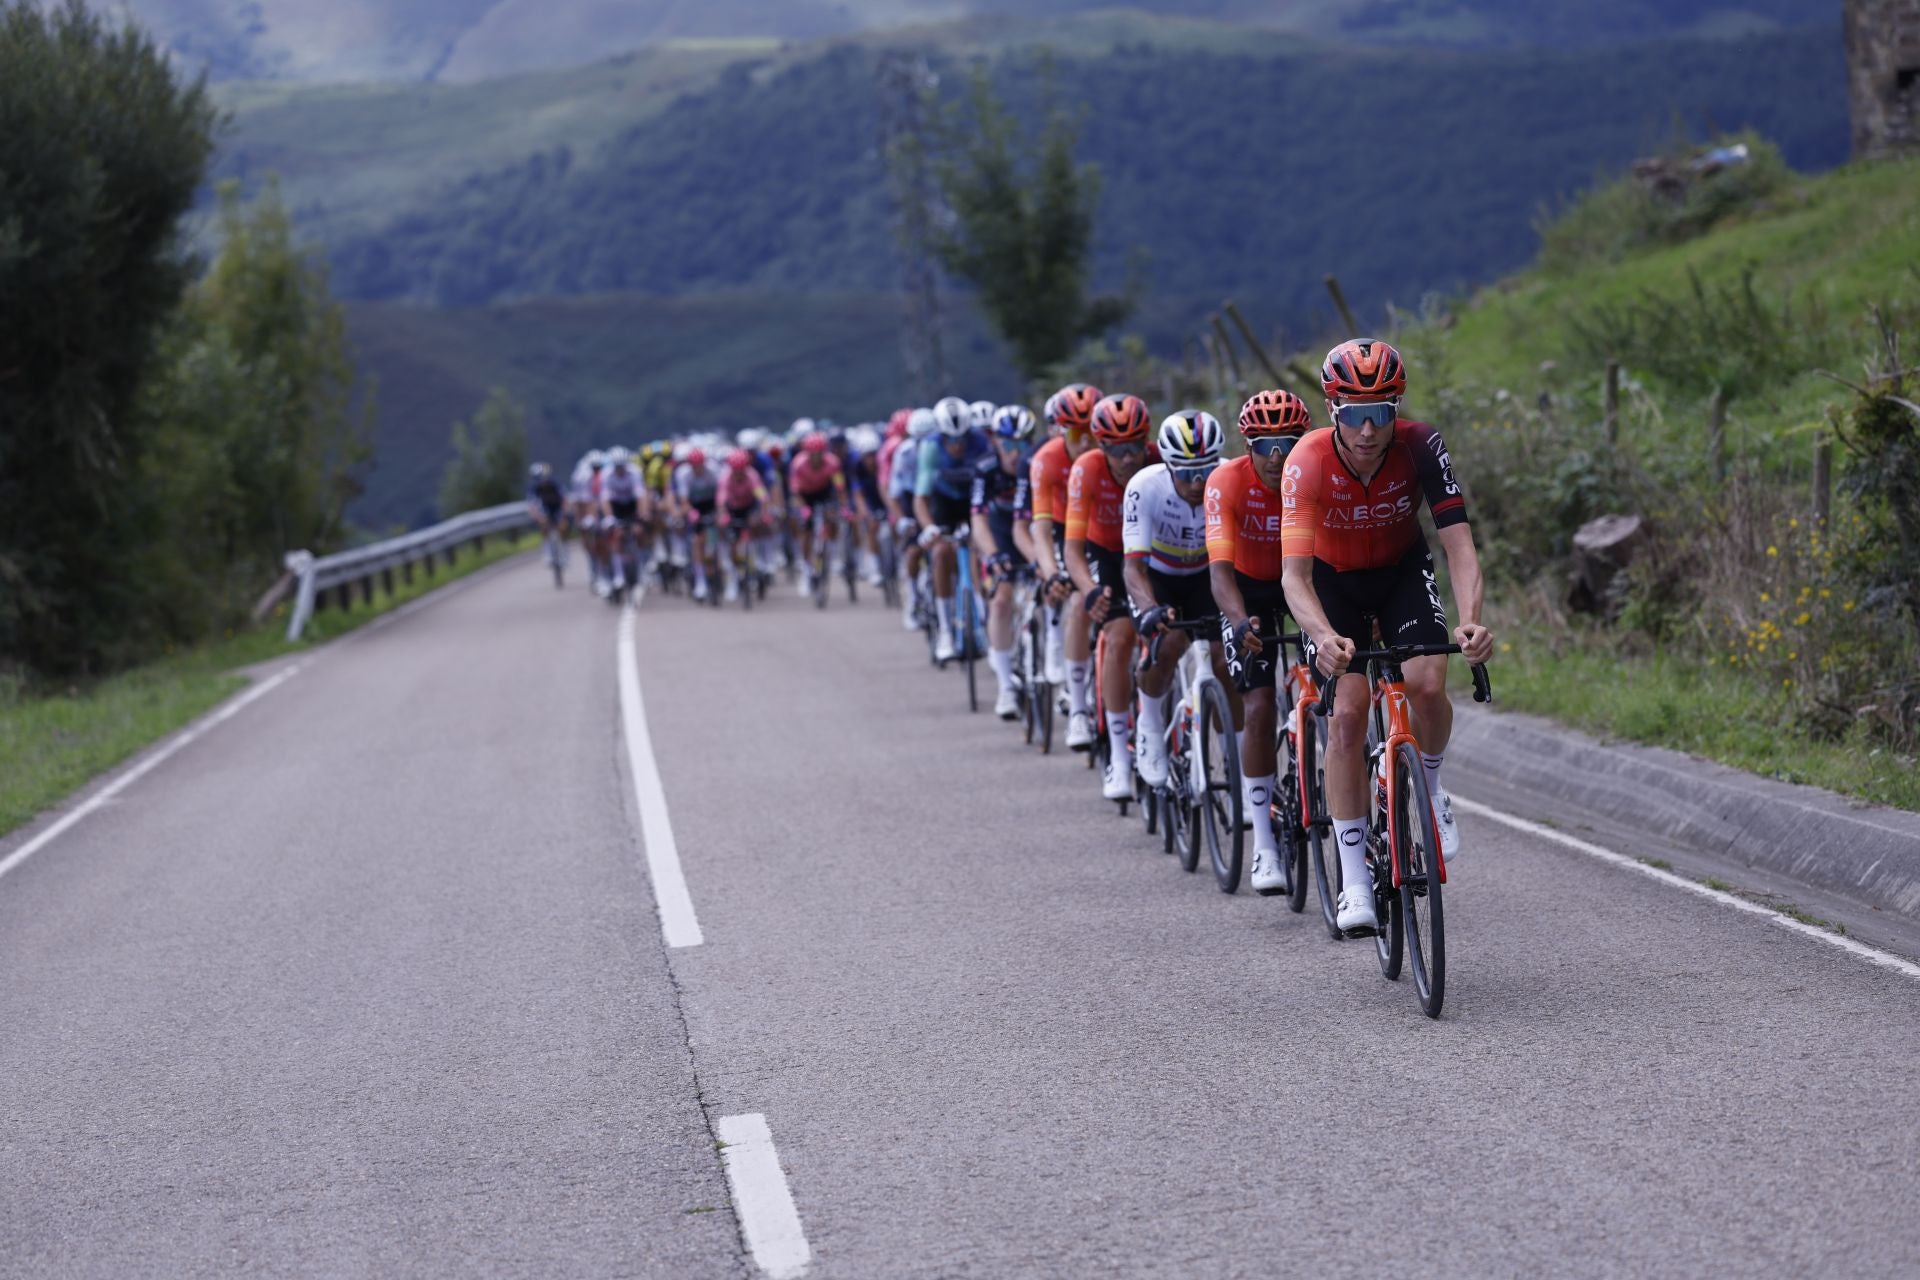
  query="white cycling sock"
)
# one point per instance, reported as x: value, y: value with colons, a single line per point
x: 1056, y: 639
x: 1001, y: 660
x: 1117, y: 733
x: 1351, y: 835
x: 1257, y: 795
x: 943, y: 610
x: 1153, y: 717
x: 1432, y: 765
x: 1079, y: 675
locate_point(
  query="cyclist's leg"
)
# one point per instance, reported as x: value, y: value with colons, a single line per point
x: 1342, y: 598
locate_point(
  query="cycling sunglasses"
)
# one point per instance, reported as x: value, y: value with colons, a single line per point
x: 1272, y: 446
x: 1192, y: 475
x: 1121, y: 452
x: 1373, y: 413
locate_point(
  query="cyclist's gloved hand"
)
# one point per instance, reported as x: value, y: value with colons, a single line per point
x: 1152, y: 620
x: 906, y: 528
x: 931, y: 534
x: 1096, y: 603
x: 1002, y: 565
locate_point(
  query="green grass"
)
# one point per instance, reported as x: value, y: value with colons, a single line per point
x: 1686, y: 703
x: 54, y: 741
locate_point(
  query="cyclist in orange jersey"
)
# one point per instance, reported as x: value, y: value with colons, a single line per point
x: 1352, y: 550
x: 1069, y: 415
x: 1244, y: 520
x: 1096, y: 559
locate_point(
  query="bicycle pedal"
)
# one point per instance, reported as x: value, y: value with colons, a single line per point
x: 1364, y: 931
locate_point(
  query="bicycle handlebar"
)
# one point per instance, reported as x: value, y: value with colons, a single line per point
x: 1397, y: 654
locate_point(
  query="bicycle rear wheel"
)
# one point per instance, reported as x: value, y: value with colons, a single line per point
x: 968, y: 656
x: 1422, y: 921
x: 1220, y: 805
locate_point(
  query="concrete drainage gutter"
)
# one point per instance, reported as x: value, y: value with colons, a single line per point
x: 1869, y: 854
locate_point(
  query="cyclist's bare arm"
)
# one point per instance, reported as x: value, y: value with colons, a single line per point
x: 984, y: 545
x: 922, y: 510
x: 1077, y: 567
x: 1469, y: 592
x: 1024, y: 541
x: 1303, y: 602
x: 1042, y: 531
x: 1226, y: 591
x: 1139, y: 586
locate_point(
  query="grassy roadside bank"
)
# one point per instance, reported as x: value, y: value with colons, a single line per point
x: 52, y: 743
x: 1677, y: 699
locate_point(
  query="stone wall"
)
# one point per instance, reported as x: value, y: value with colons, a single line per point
x: 1883, y: 69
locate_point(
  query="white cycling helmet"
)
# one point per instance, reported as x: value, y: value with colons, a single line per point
x: 1013, y: 422
x: 921, y: 423
x: 594, y: 459
x: 863, y: 439
x: 1191, y: 438
x: 618, y: 456
x: 800, y: 427
x: 953, y: 416
x: 980, y: 414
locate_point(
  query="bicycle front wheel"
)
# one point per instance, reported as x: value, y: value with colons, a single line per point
x: 1422, y: 920
x: 1325, y: 858
x: 1220, y: 803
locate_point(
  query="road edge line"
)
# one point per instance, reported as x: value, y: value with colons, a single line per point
x: 761, y: 1197
x: 1871, y: 955
x: 157, y: 756
x: 678, y: 923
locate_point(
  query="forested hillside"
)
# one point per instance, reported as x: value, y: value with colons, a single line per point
x: 465, y: 40
x: 1258, y: 183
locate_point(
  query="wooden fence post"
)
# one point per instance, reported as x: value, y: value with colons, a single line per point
x: 1612, y: 410
x: 1717, y: 432
x: 1822, y: 479
x: 1246, y: 334
x: 1340, y: 305
x: 1226, y: 345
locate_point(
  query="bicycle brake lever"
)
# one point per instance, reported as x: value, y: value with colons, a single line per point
x: 1482, y: 685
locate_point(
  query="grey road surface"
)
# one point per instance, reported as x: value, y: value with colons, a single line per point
x: 369, y: 982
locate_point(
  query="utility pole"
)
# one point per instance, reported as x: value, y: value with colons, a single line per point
x: 905, y: 82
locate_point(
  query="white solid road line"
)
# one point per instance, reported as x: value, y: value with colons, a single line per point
x: 761, y: 1197
x: 190, y: 733
x: 677, y: 921
x: 1869, y: 954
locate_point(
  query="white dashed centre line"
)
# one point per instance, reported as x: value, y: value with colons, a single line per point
x: 677, y: 920
x: 761, y: 1197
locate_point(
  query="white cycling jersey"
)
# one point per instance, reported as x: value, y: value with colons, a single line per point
x: 1156, y: 522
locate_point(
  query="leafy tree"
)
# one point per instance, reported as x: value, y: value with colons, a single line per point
x: 489, y: 464
x: 1023, y: 228
x: 261, y: 435
x: 102, y: 147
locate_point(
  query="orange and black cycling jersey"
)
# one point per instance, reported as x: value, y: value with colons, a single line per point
x: 1048, y: 476
x: 1331, y: 516
x: 1094, y: 501
x: 1244, y: 520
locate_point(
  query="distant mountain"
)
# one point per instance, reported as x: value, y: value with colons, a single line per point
x: 771, y: 178
x: 463, y: 40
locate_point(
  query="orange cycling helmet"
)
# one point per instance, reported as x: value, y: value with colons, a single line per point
x: 1363, y: 369
x: 1121, y: 419
x: 1073, y: 407
x: 1274, y: 413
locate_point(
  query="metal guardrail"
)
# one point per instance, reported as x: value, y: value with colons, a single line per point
x: 341, y: 572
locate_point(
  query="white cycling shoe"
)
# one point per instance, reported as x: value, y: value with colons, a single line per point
x: 1007, y: 706
x: 1356, y: 909
x: 1269, y: 872
x: 1151, y: 759
x: 1449, y: 829
x: 943, y: 650
x: 1119, y: 783
x: 1079, y: 731
x: 909, y: 614
x: 733, y: 592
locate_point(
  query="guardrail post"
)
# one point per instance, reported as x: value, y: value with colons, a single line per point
x: 386, y: 579
x: 300, y: 564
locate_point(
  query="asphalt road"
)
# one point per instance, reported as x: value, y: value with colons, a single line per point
x: 369, y: 981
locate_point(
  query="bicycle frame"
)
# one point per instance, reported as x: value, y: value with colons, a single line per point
x: 1391, y: 713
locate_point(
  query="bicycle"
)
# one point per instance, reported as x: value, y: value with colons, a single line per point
x: 1403, y: 844
x: 554, y: 548
x: 746, y: 568
x: 1036, y: 691
x: 969, y: 647
x: 820, y: 581
x: 888, y: 554
x: 1202, y: 793
x: 850, y: 555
